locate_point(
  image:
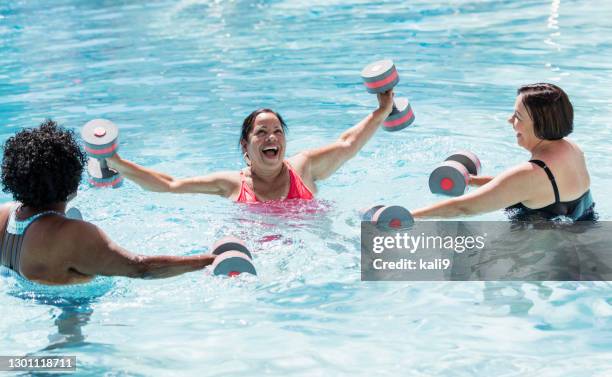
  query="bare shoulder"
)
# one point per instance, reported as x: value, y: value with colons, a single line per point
x: 524, y: 175
x: 576, y: 148
x: 300, y: 162
x: 5, y: 210
x: 230, y: 181
x: 572, y: 143
x: 80, y: 234
x: 523, y: 169
x: 228, y: 178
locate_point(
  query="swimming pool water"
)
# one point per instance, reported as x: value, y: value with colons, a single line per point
x: 179, y: 77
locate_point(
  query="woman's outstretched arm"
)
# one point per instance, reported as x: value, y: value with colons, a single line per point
x: 513, y: 186
x: 480, y: 180
x: 221, y: 183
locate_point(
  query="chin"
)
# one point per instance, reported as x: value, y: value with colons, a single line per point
x: 273, y: 162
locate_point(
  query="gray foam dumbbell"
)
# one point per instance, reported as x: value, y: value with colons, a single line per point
x: 233, y: 258
x: 388, y: 217
x: 380, y: 76
x: 74, y: 213
x: 101, y: 138
x: 452, y: 177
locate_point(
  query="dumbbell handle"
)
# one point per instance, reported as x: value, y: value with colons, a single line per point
x: 394, y: 110
x: 103, y: 163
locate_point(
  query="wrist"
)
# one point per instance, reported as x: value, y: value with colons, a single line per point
x: 382, y: 112
x: 207, y: 259
x: 114, y: 161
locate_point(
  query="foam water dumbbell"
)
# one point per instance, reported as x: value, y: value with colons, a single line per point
x: 101, y: 141
x: 453, y: 175
x: 74, y: 214
x: 379, y: 77
x: 233, y: 258
x: 388, y: 217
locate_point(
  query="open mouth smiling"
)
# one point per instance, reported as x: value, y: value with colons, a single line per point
x: 271, y: 152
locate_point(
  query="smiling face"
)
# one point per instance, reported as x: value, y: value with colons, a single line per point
x: 523, y: 125
x: 265, y: 143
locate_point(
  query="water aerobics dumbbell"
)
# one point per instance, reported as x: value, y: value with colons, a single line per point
x: 74, y: 214
x: 388, y: 217
x: 233, y: 257
x: 453, y: 175
x: 379, y: 77
x: 101, y: 141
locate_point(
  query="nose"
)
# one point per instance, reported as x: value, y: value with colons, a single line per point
x: 511, y: 119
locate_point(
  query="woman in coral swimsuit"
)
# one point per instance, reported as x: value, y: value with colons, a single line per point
x: 268, y: 175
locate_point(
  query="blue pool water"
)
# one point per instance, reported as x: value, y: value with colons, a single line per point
x: 178, y: 77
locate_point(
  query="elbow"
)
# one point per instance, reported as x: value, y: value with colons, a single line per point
x: 141, y: 268
x: 157, y: 186
x: 166, y: 184
x: 350, y: 147
x: 171, y: 186
x: 464, y: 209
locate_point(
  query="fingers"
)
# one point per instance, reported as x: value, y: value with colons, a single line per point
x: 386, y: 96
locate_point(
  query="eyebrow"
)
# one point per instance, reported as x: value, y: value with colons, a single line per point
x: 516, y: 112
x: 260, y: 126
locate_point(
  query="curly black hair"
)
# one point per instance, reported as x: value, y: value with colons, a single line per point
x: 43, y: 165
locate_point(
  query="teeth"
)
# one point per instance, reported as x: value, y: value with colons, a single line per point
x: 271, y: 149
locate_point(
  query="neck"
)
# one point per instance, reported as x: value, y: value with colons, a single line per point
x: 538, y: 147
x: 30, y: 211
x: 268, y: 175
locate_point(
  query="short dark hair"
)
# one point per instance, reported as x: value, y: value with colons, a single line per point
x: 550, y: 109
x: 247, y: 124
x: 42, y: 165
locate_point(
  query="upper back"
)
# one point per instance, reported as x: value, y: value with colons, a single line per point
x: 44, y: 249
x: 567, y: 163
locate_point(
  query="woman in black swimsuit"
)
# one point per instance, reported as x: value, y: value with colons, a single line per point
x: 554, y: 182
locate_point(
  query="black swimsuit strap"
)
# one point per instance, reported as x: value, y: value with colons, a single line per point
x: 551, y: 177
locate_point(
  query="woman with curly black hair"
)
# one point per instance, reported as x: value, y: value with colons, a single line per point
x: 42, y: 168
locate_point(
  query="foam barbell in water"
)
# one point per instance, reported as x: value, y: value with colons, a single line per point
x: 393, y: 217
x: 366, y: 214
x: 100, y: 137
x: 380, y: 76
x: 74, y: 213
x: 230, y: 243
x: 388, y: 217
x: 449, y: 178
x: 467, y: 159
x: 233, y: 258
x: 401, y: 117
x: 453, y: 175
x: 101, y: 175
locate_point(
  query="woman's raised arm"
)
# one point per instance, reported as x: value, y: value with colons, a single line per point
x: 326, y: 160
